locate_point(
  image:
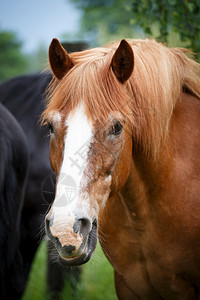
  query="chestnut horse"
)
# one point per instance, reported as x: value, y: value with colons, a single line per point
x: 124, y: 122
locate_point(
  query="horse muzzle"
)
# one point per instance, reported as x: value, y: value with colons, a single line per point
x: 74, y: 239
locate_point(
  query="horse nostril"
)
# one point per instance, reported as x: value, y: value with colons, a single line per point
x: 68, y: 250
x: 82, y: 226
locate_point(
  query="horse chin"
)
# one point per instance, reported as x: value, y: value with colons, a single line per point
x: 75, y: 261
x: 86, y: 253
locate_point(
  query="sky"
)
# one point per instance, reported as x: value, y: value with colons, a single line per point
x: 38, y: 21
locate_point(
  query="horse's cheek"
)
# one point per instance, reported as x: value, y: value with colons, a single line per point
x: 54, y: 157
x: 122, y: 168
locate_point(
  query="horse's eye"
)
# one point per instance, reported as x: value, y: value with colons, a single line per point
x: 51, y: 129
x: 116, y: 128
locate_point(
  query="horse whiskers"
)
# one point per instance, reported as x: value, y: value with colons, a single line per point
x: 105, y: 252
x: 53, y: 253
x: 102, y: 235
x: 41, y: 233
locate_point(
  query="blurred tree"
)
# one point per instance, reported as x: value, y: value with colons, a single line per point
x: 12, y: 60
x: 38, y: 59
x: 180, y: 16
x: 105, y: 20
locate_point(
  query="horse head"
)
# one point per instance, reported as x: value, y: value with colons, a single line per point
x: 90, y: 154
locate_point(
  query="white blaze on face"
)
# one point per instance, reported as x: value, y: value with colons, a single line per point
x: 75, y: 156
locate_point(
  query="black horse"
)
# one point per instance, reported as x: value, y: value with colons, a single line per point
x: 13, y: 171
x: 24, y: 98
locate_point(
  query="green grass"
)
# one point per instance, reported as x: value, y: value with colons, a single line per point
x: 97, y: 281
x: 36, y: 287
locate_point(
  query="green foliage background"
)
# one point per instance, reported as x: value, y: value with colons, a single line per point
x: 140, y: 18
x: 180, y: 16
x: 12, y: 61
x: 175, y: 22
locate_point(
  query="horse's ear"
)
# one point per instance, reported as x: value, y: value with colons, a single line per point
x: 59, y: 59
x: 123, y: 61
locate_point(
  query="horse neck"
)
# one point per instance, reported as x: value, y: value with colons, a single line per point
x: 160, y: 182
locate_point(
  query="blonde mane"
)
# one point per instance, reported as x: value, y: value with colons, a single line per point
x: 146, y: 100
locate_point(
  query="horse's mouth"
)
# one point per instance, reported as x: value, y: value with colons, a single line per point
x: 75, y: 261
x: 86, y: 253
